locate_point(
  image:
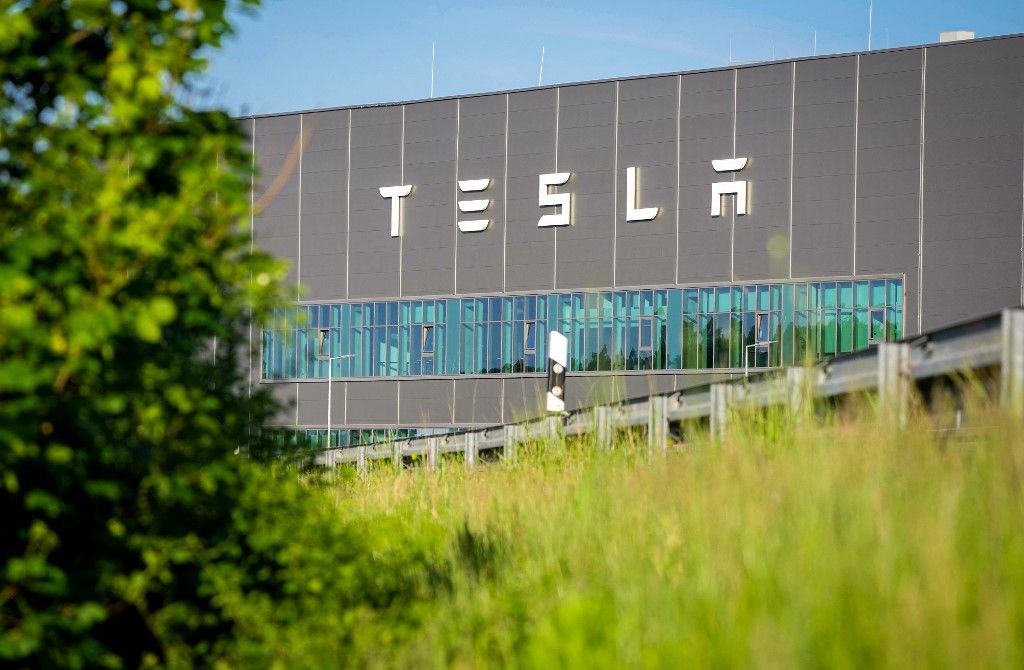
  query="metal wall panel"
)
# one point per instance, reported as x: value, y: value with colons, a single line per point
x: 428, y: 244
x: 478, y: 401
x: 705, y: 131
x: 763, y: 134
x: 313, y: 404
x: 372, y: 403
x: 888, y: 168
x: 645, y: 251
x: 284, y: 394
x: 374, y: 256
x: 823, y: 167
x: 276, y: 219
x: 529, y: 250
x: 586, y: 147
x: 524, y: 398
x: 426, y: 402
x: 638, y: 386
x: 480, y: 256
x: 324, y: 204
x: 972, y: 180
x: 589, y: 390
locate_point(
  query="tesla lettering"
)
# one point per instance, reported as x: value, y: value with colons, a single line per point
x: 562, y: 200
x: 396, y: 193
x: 469, y: 206
x: 720, y: 189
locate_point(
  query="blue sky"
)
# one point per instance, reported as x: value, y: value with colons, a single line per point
x: 308, y: 54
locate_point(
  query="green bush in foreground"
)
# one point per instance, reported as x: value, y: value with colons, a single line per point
x: 121, y: 261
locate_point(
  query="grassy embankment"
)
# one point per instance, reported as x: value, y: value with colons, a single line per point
x: 841, y: 541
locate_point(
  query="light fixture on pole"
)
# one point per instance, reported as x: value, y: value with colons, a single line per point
x: 325, y: 344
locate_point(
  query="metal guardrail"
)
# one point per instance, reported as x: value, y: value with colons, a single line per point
x: 994, y: 343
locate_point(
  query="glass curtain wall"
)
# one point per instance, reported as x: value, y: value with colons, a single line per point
x: 709, y: 327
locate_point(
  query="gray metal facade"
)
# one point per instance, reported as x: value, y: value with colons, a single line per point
x: 905, y: 161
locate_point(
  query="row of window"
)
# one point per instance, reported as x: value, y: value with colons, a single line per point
x: 712, y: 327
x: 311, y: 439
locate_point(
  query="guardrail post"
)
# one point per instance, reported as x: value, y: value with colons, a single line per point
x: 721, y: 405
x: 432, y: 452
x: 657, y: 424
x: 603, y: 427
x: 470, y: 450
x: 396, y: 455
x: 361, y: 459
x: 553, y: 428
x: 894, y: 380
x: 797, y: 389
x: 511, y: 439
x: 1012, y: 364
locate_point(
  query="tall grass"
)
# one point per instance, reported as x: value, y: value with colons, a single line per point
x: 838, y: 540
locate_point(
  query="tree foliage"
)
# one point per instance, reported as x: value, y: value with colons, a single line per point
x: 126, y: 287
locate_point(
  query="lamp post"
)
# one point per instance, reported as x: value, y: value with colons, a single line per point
x: 746, y: 355
x: 330, y: 380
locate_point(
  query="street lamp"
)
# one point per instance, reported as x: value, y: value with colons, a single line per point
x: 767, y: 345
x: 325, y: 343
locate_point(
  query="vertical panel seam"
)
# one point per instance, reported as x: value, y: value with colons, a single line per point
x: 504, y: 209
x: 920, y: 191
x: 856, y: 158
x: 554, y: 262
x: 615, y: 193
x: 252, y: 241
x: 679, y: 121
x: 401, y: 220
x: 732, y: 228
x: 348, y: 205
x: 455, y: 199
x: 1022, y: 217
x: 298, y: 213
x: 792, y: 158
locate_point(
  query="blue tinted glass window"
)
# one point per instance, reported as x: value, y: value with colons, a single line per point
x: 860, y: 293
x: 428, y: 339
x: 845, y: 294
x: 724, y: 299
x: 690, y: 301
x: 750, y: 298
x: 878, y: 294
x: 895, y: 292
x: 828, y: 295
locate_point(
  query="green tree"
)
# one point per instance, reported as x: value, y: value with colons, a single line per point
x: 126, y: 288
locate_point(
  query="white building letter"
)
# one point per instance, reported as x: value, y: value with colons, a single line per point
x: 396, y: 193
x: 633, y: 213
x: 467, y: 206
x: 563, y: 200
x: 722, y: 188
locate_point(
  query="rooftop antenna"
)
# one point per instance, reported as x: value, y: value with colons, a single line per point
x: 433, y: 62
x: 540, y: 77
x: 814, y: 44
x: 870, y: 8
